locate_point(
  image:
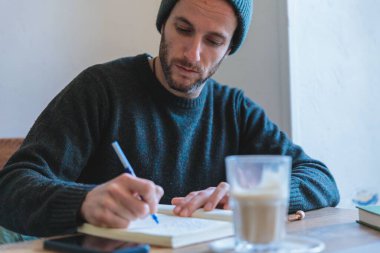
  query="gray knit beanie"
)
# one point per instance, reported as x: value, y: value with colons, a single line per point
x: 243, y: 10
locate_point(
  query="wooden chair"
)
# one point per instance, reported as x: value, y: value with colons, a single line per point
x: 7, y: 148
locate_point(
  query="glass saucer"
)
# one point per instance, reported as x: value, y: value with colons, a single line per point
x: 291, y: 244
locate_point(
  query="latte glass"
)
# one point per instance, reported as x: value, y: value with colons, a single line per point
x: 259, y: 199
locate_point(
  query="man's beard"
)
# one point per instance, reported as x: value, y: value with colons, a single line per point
x: 168, y: 68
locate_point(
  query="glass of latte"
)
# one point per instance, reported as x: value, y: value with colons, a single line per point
x: 259, y: 198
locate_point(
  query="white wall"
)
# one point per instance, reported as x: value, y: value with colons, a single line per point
x: 261, y: 66
x: 335, y: 87
x: 44, y: 44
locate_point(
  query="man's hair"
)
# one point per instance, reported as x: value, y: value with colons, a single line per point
x: 243, y: 10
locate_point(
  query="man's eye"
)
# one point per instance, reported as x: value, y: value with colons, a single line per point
x: 215, y: 43
x: 183, y: 30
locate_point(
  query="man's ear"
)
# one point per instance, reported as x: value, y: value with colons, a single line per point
x: 230, y: 47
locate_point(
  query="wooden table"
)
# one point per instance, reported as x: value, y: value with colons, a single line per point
x: 336, y: 227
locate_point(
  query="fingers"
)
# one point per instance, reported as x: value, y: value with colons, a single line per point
x: 159, y: 194
x: 180, y: 204
x: 125, y: 204
x: 192, y: 202
x: 220, y: 193
x: 98, y: 210
x: 120, y: 201
x: 177, y: 201
x: 225, y: 202
x: 209, y: 199
x: 150, y: 192
x: 106, y: 218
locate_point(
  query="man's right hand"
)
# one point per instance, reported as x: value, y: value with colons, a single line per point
x: 117, y: 202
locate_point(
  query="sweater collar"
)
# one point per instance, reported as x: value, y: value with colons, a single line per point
x: 148, y: 78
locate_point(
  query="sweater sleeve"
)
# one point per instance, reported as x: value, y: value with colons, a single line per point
x: 311, y: 185
x: 38, y: 193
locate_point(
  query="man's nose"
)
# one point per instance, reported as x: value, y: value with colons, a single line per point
x: 193, y: 50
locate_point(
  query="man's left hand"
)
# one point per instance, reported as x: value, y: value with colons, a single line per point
x: 209, y: 199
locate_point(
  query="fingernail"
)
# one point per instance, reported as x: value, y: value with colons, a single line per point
x: 208, y: 206
x: 184, y: 212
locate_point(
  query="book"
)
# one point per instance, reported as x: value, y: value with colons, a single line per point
x: 369, y: 216
x: 172, y: 231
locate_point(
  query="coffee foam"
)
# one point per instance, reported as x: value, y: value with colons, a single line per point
x: 271, y: 184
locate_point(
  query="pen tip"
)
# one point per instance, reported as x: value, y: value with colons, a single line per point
x: 155, y: 218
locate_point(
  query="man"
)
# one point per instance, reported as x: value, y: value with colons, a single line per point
x: 175, y: 124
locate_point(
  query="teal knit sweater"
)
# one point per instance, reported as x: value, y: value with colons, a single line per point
x: 178, y: 143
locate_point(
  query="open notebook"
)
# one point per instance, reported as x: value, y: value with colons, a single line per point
x: 173, y: 231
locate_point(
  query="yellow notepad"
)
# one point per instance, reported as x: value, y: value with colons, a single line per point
x: 173, y: 231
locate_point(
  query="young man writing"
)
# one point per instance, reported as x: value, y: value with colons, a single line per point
x: 175, y: 124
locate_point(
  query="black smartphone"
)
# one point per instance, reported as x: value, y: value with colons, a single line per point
x: 93, y: 244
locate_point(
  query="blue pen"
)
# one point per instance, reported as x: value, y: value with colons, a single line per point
x: 127, y: 166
